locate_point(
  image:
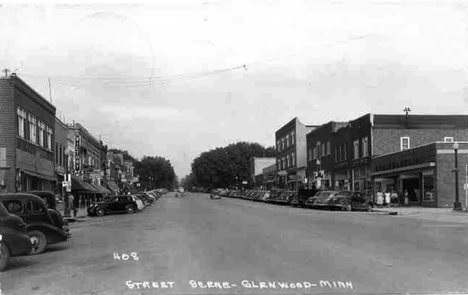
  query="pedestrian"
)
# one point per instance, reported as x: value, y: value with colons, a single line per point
x: 71, y: 204
x: 387, y: 198
x: 380, y: 199
x: 394, y: 198
x: 406, y: 197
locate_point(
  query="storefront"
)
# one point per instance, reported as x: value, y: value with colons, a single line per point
x: 423, y: 176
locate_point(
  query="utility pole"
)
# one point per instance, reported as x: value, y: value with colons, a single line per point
x: 50, y: 92
x: 407, y: 110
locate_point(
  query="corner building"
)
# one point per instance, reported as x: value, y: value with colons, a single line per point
x: 27, y: 140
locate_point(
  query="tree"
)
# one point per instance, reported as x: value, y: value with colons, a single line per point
x: 228, y: 166
x: 155, y: 172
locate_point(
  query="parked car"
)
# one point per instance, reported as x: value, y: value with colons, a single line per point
x: 143, y: 198
x: 302, y: 196
x: 14, y: 239
x: 43, y: 229
x: 321, y: 199
x: 116, y: 204
x: 283, y: 197
x: 51, y: 203
x: 235, y: 194
x: 273, y: 195
x: 265, y: 196
x: 349, y: 201
x: 151, y: 198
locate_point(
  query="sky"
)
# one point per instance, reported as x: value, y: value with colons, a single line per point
x: 176, y: 78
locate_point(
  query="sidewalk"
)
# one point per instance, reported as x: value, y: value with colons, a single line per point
x: 82, y: 213
x: 433, y: 214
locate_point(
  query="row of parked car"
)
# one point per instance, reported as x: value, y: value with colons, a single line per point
x: 124, y: 203
x: 318, y: 199
x: 29, y: 222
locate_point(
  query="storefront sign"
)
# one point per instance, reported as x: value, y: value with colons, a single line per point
x: 77, y: 152
x: 395, y: 164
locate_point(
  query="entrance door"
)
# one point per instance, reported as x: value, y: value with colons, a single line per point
x: 412, y: 184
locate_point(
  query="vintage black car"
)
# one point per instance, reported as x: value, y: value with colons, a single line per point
x: 42, y: 224
x: 51, y: 203
x: 350, y: 201
x: 302, y: 196
x: 115, y: 204
x: 14, y: 237
x: 283, y: 197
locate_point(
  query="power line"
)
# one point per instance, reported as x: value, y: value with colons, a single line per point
x: 150, y: 81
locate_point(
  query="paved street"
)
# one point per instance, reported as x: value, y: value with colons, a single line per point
x: 231, y: 240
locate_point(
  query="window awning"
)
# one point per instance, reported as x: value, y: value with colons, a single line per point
x: 39, y: 175
x: 113, y: 186
x: 102, y: 190
x: 80, y: 185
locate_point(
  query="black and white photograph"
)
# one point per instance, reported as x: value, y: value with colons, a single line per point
x: 210, y: 147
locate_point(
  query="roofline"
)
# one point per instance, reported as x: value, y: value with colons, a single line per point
x: 16, y: 78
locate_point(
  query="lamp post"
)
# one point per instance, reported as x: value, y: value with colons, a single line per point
x: 457, y: 205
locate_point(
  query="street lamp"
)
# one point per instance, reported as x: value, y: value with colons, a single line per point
x: 457, y: 205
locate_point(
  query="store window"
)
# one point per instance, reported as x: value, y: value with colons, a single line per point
x: 365, y: 147
x: 356, y: 149
x: 49, y: 138
x: 428, y: 182
x: 41, y: 133
x: 404, y: 143
x: 21, y: 122
x: 32, y: 128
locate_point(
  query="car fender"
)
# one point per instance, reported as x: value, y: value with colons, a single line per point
x: 17, y: 242
x: 53, y: 234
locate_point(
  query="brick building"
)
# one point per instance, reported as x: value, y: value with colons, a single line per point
x: 424, y: 172
x: 61, y: 154
x: 27, y: 123
x: 291, y: 159
x: 320, y: 155
x: 355, y: 144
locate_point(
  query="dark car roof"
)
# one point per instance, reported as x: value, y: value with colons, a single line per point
x: 41, y: 193
x: 21, y: 196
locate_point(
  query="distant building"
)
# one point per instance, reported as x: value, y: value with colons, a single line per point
x: 270, y: 176
x: 61, y: 154
x: 27, y: 138
x: 257, y: 164
x: 291, y: 159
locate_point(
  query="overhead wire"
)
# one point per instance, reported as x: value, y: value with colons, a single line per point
x: 159, y: 80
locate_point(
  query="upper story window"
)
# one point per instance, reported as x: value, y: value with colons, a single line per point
x: 356, y: 149
x: 309, y: 154
x: 365, y: 147
x: 41, y: 133
x: 448, y: 139
x: 278, y: 148
x: 345, y: 152
x: 328, y: 148
x: 32, y: 128
x: 283, y: 146
x: 322, y: 150
x: 287, y: 140
x: 21, y: 121
x: 293, y: 137
x: 56, y: 153
x: 404, y: 143
x: 293, y: 160
x: 336, y: 154
x: 314, y: 153
x: 49, y: 138
x: 288, y: 161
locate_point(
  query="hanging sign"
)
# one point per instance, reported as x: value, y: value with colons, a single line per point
x: 77, y: 152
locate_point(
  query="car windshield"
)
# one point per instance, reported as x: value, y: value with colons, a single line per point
x: 3, y: 211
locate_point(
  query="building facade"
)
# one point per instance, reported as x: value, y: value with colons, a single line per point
x: 270, y: 175
x: 26, y: 138
x: 424, y: 175
x: 257, y: 164
x: 355, y: 145
x: 61, y: 154
x: 291, y: 159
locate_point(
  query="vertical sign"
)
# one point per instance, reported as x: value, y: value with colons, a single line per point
x: 77, y: 153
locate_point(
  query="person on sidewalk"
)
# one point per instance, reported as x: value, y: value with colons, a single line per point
x: 387, y: 198
x: 380, y: 199
x: 71, y: 204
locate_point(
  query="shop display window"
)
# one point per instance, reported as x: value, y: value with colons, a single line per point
x: 428, y: 181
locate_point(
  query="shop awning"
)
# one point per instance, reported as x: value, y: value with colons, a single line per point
x: 404, y: 169
x: 113, y: 186
x: 39, y: 175
x: 80, y: 185
x: 102, y: 190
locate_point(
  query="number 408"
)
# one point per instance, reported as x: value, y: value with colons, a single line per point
x: 125, y: 256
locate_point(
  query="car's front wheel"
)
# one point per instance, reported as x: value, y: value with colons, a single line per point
x: 130, y: 210
x: 38, y: 240
x: 348, y: 207
x: 369, y: 208
x: 99, y: 212
x: 4, y: 257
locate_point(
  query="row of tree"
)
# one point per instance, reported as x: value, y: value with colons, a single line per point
x: 225, y: 167
x: 153, y: 171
